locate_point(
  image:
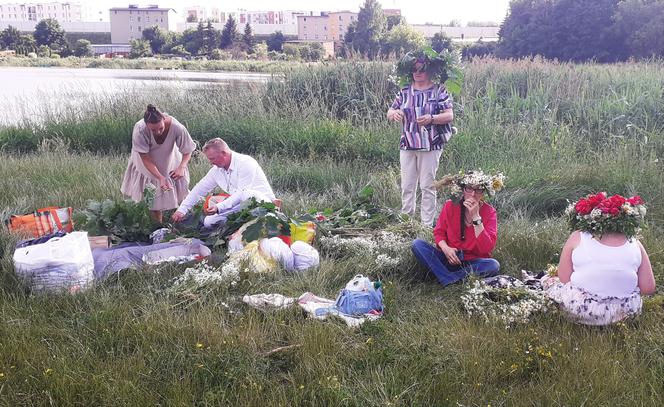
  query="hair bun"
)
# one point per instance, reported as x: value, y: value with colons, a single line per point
x: 152, y: 108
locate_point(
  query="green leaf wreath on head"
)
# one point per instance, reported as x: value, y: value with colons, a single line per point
x: 443, y: 67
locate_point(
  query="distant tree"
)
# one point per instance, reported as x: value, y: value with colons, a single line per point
x: 404, y: 38
x: 440, y: 41
x: 9, y: 37
x: 139, y: 48
x: 83, y: 48
x: 25, y: 45
x: 453, y: 23
x: 371, y: 24
x: 478, y: 49
x: 347, y: 50
x: 229, y: 34
x: 569, y: 30
x: 349, y: 36
x: 641, y: 23
x: 48, y: 32
x: 393, y: 21
x: 209, y: 37
x: 276, y: 41
x: 248, y: 37
x: 190, y: 40
x: 157, y: 38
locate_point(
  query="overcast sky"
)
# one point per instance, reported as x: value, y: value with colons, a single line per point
x: 416, y: 12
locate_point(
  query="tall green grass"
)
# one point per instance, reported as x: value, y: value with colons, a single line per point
x: 557, y: 130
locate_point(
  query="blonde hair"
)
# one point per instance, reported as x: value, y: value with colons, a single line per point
x: 216, y: 144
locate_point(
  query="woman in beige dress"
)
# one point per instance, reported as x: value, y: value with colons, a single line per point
x: 156, y: 160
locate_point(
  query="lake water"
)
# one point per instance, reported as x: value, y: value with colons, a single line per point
x: 23, y: 88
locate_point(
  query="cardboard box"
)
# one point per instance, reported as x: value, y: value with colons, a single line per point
x: 99, y: 242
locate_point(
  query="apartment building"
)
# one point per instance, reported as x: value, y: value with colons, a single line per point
x: 339, y: 22
x: 197, y: 14
x: 128, y: 23
x: 267, y: 22
x: 330, y: 26
x: 19, y: 12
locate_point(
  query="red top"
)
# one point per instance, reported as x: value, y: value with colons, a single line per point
x: 448, y: 228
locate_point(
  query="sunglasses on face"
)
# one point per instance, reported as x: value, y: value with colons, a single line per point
x: 470, y: 189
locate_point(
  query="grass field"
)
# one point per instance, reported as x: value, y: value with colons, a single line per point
x: 557, y: 131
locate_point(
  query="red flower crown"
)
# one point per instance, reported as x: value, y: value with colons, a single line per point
x: 599, y: 214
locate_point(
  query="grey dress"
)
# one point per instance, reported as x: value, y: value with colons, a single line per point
x: 166, y: 156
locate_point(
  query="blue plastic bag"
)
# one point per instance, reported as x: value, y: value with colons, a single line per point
x: 360, y: 302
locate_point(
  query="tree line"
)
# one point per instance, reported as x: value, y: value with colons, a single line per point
x: 569, y: 30
x: 227, y: 43
x: 581, y: 30
x: 48, y: 39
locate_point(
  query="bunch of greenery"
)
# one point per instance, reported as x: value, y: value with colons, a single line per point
x: 267, y: 221
x: 443, y: 67
x: 124, y: 221
x: 364, y: 212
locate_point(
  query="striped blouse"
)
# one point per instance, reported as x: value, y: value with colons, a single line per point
x: 415, y: 103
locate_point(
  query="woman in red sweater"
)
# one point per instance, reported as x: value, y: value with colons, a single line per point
x: 466, y: 231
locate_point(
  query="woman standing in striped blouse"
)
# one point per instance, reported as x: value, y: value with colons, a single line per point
x: 424, y: 109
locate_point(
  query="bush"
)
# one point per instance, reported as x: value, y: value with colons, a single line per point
x: 180, y: 50
x: 292, y: 51
x: 83, y: 48
x: 276, y: 56
x: 479, y: 49
x: 219, y: 55
x: 260, y: 51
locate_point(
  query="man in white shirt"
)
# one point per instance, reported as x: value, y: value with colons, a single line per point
x: 237, y: 174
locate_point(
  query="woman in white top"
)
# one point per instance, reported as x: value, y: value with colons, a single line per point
x: 603, y: 269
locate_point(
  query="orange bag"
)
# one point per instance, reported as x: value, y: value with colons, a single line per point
x: 43, y: 221
x: 213, y: 200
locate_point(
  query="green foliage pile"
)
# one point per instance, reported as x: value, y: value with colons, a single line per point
x: 364, y: 212
x: 124, y: 221
x: 266, y: 221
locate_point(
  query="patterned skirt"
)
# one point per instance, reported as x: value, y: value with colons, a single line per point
x: 591, y: 309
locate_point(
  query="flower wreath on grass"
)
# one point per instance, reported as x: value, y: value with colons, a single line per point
x: 514, y: 304
x: 454, y: 184
x: 598, y: 214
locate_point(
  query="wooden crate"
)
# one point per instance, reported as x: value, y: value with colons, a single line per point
x: 99, y: 242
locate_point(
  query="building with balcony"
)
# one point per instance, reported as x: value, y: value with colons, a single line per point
x: 128, y: 23
x: 25, y: 12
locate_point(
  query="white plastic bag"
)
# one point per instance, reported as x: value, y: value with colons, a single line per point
x: 359, y: 283
x: 62, y: 263
x: 278, y: 250
x: 304, y: 255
